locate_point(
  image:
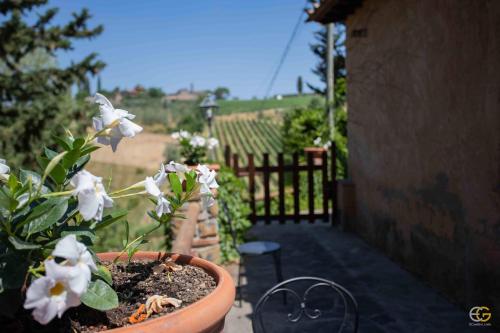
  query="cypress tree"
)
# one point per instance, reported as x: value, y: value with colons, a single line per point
x: 35, y: 96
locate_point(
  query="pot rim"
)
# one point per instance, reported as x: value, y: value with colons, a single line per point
x: 220, y: 300
x: 315, y: 149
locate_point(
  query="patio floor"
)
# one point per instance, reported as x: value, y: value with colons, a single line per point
x: 390, y: 299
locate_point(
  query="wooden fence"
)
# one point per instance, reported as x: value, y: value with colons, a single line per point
x: 313, y: 163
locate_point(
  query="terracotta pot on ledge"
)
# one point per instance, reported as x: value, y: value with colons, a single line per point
x: 317, y: 153
x: 204, y: 316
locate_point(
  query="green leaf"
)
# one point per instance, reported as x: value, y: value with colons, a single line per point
x: 53, y: 163
x: 13, y: 183
x: 78, y: 143
x: 49, y: 153
x: 153, y: 215
x: 82, y: 161
x: 100, y: 296
x: 66, y: 143
x: 25, y: 175
x: 133, y: 249
x: 88, y: 149
x: 44, y: 221
x: 22, y: 245
x: 39, y: 210
x: 79, y: 231
x: 70, y: 158
x: 6, y: 201
x: 104, y: 273
x: 127, y: 234
x: 175, y: 183
x: 113, y: 217
x: 58, y: 173
x: 190, y: 180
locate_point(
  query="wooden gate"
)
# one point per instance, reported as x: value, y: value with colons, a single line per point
x: 313, y: 163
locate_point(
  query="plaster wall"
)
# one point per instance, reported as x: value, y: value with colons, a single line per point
x: 424, y: 139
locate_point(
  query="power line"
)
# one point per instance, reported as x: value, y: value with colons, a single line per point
x: 285, y: 53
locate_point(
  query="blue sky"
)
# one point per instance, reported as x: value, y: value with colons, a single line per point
x: 170, y: 44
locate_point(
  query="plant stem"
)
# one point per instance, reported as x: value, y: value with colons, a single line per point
x: 57, y: 194
x: 135, y: 241
x: 128, y: 195
x: 131, y: 187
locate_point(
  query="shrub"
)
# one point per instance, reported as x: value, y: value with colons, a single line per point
x: 301, y: 127
x: 194, y: 147
x: 232, y: 192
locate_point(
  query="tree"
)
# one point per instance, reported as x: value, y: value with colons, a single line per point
x: 319, y: 49
x: 300, y: 85
x: 221, y: 93
x: 34, y: 98
x: 155, y: 92
x: 99, y: 84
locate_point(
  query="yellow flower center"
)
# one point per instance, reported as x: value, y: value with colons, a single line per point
x: 56, y: 290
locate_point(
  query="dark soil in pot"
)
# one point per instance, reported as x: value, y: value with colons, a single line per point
x: 134, y: 284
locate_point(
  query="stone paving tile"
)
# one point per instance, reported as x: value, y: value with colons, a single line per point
x: 390, y: 299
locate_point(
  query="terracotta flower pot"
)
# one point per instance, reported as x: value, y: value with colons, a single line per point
x: 317, y: 152
x: 205, y: 316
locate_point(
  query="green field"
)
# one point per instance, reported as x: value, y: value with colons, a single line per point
x: 249, y: 136
x: 154, y: 113
x: 252, y: 105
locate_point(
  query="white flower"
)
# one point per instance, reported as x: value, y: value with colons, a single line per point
x: 317, y: 141
x: 4, y: 169
x: 206, y: 178
x: 116, y: 120
x: 77, y: 257
x: 327, y: 145
x: 212, y: 143
x: 161, y: 176
x: 197, y: 141
x: 92, y: 197
x: 51, y: 295
x: 181, y: 135
x: 162, y: 204
x: 177, y: 167
x: 207, y: 200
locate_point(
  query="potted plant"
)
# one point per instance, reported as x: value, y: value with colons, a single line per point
x: 318, y: 149
x: 50, y: 277
x: 195, y: 148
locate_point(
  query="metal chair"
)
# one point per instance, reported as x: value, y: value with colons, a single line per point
x: 256, y: 248
x: 301, y: 307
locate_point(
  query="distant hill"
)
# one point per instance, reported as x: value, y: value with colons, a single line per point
x: 252, y: 105
x: 158, y: 115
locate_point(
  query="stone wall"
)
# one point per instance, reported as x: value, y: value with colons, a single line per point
x: 424, y: 139
x: 198, y: 233
x: 206, y: 238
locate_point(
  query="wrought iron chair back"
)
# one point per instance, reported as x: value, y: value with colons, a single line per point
x: 295, y: 316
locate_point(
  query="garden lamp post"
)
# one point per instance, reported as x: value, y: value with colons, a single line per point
x: 209, y: 106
